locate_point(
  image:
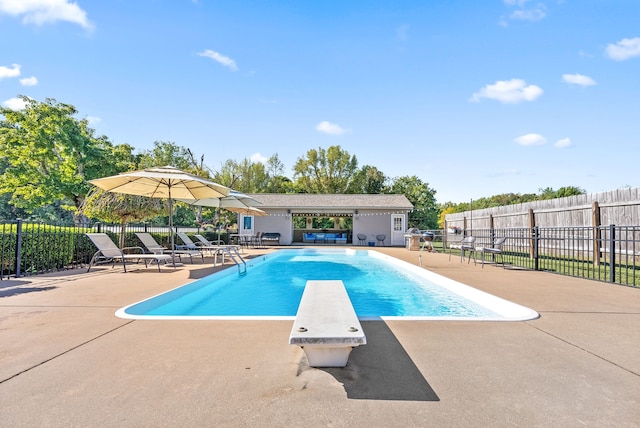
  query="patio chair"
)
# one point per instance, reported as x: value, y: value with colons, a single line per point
x: 465, y: 245
x: 495, y: 251
x: 109, y: 252
x: 362, y: 239
x: 152, y: 246
x: 380, y: 239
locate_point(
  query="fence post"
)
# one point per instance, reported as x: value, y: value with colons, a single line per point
x: 99, y: 226
x: 536, y: 238
x: 595, y: 223
x: 17, y: 269
x: 532, y: 226
x: 612, y: 253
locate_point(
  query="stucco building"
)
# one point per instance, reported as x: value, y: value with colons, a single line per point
x: 351, y: 216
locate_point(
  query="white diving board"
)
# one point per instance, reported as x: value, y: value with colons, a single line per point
x: 326, y: 325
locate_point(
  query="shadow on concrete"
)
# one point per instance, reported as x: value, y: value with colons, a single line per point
x: 382, y: 369
x: 17, y: 290
x: 202, y: 272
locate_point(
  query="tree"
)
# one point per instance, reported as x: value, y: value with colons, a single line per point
x: 549, y: 193
x: 325, y: 171
x: 121, y: 208
x: 368, y: 179
x: 166, y: 153
x: 50, y: 155
x: 425, y: 211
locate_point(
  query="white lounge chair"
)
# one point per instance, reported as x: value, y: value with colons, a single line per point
x: 109, y: 252
x: 213, y: 250
x: 206, y: 243
x: 152, y: 246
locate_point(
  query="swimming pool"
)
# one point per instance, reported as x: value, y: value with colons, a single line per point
x: 379, y: 286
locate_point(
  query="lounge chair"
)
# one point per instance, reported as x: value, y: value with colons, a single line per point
x: 213, y: 250
x: 188, y: 244
x: 109, y: 252
x: 465, y: 245
x: 152, y: 246
x: 208, y: 244
x: 495, y: 250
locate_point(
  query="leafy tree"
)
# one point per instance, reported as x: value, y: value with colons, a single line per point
x: 549, y: 193
x: 50, y: 155
x: 425, y: 211
x: 278, y: 182
x: 448, y: 209
x: 368, y: 179
x: 121, y: 208
x: 325, y: 171
x: 166, y: 153
x: 245, y: 176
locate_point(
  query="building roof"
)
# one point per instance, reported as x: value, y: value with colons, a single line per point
x: 297, y: 201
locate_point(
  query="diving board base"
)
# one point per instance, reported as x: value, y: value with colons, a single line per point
x: 327, y: 356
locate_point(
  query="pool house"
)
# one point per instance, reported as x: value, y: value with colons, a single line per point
x: 334, y: 219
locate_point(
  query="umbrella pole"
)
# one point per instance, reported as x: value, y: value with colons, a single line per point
x: 173, y: 255
x: 217, y: 226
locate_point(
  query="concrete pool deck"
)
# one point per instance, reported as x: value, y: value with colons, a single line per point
x: 66, y: 360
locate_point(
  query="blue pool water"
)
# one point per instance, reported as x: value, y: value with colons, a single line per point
x: 379, y: 286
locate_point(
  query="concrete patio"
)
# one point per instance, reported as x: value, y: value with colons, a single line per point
x: 67, y: 361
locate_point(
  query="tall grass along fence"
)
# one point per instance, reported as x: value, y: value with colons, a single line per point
x: 605, y: 253
x: 35, y: 248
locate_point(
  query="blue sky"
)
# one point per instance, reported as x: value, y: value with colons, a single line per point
x: 476, y: 98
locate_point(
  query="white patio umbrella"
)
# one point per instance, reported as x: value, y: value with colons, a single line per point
x: 236, y: 202
x: 163, y: 182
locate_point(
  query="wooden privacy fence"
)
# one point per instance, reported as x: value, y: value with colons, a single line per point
x: 585, y: 214
x: 619, y: 207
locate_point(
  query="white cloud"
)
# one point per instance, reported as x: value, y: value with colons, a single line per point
x: 330, y: 128
x: 41, y: 12
x: 219, y: 58
x: 258, y: 158
x: 508, y: 91
x: 525, y: 13
x: 563, y: 143
x: 93, y: 120
x: 29, y: 81
x: 5, y: 71
x: 534, y: 14
x: 15, y: 104
x: 531, y: 140
x: 624, y: 49
x: 578, y: 79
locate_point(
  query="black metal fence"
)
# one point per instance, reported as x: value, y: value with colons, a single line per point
x: 34, y: 248
x: 607, y: 253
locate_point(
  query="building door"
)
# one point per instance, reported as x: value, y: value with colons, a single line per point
x: 397, y: 230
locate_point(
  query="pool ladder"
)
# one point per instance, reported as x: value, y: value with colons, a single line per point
x: 235, y: 255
